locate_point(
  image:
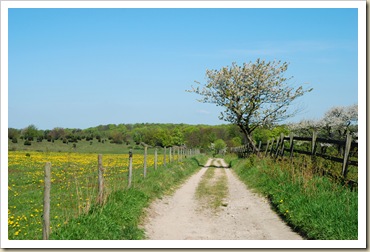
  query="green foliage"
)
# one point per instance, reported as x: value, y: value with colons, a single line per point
x: 219, y: 145
x: 193, y: 136
x: 27, y: 142
x: 117, y: 137
x: 236, y: 141
x: 57, y: 133
x: 312, y: 205
x: 30, y: 132
x: 264, y: 134
x: 13, y: 133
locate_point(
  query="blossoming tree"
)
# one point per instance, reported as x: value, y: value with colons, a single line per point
x: 253, y: 95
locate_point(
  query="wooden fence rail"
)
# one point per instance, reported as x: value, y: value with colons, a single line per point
x: 278, y: 147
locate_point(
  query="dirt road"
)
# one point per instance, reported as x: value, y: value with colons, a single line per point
x: 243, y: 216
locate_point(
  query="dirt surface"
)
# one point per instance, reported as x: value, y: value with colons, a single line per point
x: 243, y: 216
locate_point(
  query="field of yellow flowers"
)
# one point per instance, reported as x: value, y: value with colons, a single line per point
x: 74, y: 186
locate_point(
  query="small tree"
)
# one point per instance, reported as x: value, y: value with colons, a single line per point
x: 220, y: 145
x: 335, y: 124
x: 117, y: 137
x: 30, y: 132
x: 253, y: 95
x: 13, y: 133
x: 338, y: 120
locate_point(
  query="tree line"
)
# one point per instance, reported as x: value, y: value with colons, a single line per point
x: 335, y: 124
x: 154, y: 134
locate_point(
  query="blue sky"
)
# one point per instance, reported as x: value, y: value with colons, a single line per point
x: 78, y: 68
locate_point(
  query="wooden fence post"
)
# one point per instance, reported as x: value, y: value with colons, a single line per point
x: 46, y: 213
x: 291, y: 145
x: 267, y: 147
x: 145, y: 156
x: 272, y: 146
x: 164, y: 156
x: 313, y: 147
x: 346, y: 155
x: 313, y: 151
x: 259, y: 146
x: 170, y: 154
x: 282, y: 144
x: 155, y: 159
x: 129, y: 169
x: 101, y: 179
x: 277, y: 147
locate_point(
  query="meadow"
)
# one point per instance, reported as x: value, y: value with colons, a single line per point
x: 74, y: 188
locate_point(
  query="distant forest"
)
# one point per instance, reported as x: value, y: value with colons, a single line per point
x: 154, y: 134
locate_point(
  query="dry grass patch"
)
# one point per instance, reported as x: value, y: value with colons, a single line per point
x: 212, y: 189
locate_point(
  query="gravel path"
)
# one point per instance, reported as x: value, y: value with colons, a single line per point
x: 246, y: 216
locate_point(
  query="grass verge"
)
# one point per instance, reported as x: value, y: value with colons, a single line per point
x: 119, y: 217
x: 312, y: 205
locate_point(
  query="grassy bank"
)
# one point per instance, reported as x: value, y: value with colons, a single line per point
x: 119, y: 218
x: 312, y: 205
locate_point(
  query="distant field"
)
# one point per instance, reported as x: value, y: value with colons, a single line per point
x: 82, y: 146
x: 74, y: 184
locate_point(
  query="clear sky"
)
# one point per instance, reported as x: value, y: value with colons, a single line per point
x: 78, y: 68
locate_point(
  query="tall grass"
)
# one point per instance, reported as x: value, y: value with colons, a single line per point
x: 313, y: 205
x: 120, y: 216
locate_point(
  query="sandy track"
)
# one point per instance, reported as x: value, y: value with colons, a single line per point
x: 246, y: 216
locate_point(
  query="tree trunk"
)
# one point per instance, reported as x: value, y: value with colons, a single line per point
x: 249, y: 139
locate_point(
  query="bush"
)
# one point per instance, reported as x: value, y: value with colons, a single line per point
x: 14, y: 140
x: 27, y: 142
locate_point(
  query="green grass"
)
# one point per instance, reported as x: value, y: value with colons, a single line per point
x: 82, y: 146
x: 230, y: 159
x: 120, y: 216
x: 202, y: 160
x: 212, y: 190
x: 313, y: 205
